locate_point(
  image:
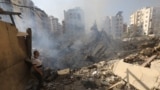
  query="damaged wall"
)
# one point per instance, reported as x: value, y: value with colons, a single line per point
x: 13, y: 69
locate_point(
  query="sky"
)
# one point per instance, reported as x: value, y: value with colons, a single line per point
x: 94, y: 9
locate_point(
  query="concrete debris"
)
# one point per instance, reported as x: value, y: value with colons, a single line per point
x: 137, y: 68
x: 50, y: 75
x: 93, y: 77
x: 64, y: 71
x: 147, y: 52
x: 138, y: 76
x: 155, y: 65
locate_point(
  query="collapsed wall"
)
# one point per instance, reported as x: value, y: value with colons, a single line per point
x: 13, y: 51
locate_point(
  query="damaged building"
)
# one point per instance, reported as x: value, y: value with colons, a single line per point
x: 74, y: 22
x: 113, y: 25
x: 100, y: 62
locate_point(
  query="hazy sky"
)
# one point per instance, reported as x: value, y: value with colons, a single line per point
x: 94, y: 9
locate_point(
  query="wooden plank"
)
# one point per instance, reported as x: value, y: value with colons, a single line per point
x: 9, y: 13
x: 20, y: 34
x: 118, y: 83
x: 148, y: 61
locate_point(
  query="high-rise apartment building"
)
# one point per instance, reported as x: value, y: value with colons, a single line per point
x: 74, y: 22
x: 146, y: 20
x: 56, y: 27
x: 113, y: 25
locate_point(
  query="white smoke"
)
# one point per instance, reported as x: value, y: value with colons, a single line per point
x: 60, y: 51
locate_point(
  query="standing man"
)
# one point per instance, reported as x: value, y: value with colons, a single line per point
x: 37, y: 68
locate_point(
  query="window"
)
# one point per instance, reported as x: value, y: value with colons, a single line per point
x: 78, y: 16
x: 145, y: 25
x: 74, y: 16
x: 21, y: 9
x: 142, y: 14
x: 150, y: 20
x: 70, y: 15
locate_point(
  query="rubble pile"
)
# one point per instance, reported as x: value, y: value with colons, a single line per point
x: 98, y: 76
x: 145, y: 50
x: 92, y: 51
x: 136, y: 71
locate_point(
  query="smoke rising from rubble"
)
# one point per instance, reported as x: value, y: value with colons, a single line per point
x: 94, y: 11
x: 61, y: 52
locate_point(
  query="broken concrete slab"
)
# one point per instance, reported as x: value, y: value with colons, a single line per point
x: 155, y: 65
x: 64, y: 71
x: 140, y: 77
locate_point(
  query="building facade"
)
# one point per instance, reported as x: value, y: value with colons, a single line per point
x: 146, y: 20
x: 56, y: 27
x: 74, y: 22
x: 114, y: 25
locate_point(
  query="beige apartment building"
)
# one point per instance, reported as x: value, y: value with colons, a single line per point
x: 147, y: 20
